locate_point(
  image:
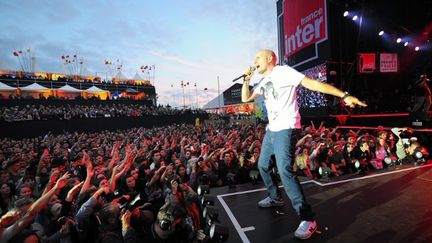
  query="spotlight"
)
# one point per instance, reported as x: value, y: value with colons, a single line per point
x: 356, y: 163
x: 254, y: 174
x: 418, y: 155
x: 417, y: 48
x: 381, y: 33
x: 211, y: 214
x: 345, y: 13
x: 398, y: 40
x: 208, y: 200
x: 390, y: 160
x: 325, y: 172
x: 203, y: 189
x: 355, y: 17
x: 219, y: 233
x: 406, y: 43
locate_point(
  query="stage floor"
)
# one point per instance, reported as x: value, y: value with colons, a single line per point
x: 394, y: 205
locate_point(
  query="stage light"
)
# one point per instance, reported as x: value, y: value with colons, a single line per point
x: 355, y: 17
x: 254, y: 175
x: 346, y: 13
x: 210, y: 214
x: 389, y: 160
x: 417, y: 48
x: 398, y: 40
x: 325, y: 172
x: 418, y: 154
x: 208, y: 200
x: 406, y: 43
x: 381, y: 33
x: 356, y: 163
x: 219, y: 233
x: 203, y: 189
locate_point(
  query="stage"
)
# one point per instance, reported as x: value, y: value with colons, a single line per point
x: 392, y: 205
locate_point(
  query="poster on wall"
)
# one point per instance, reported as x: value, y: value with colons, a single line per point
x: 389, y: 62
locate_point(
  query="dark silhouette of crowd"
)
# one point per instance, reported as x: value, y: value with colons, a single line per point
x: 75, y: 111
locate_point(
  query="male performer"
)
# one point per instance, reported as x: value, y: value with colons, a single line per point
x: 423, y: 94
x: 278, y: 86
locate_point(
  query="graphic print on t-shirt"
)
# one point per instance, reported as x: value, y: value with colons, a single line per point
x: 268, y: 89
x: 270, y: 94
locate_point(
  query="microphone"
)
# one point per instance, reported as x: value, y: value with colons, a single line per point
x: 253, y: 68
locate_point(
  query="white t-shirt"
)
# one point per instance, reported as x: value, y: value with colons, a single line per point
x: 280, y: 97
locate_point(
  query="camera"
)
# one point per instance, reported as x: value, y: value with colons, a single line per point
x: 136, y: 202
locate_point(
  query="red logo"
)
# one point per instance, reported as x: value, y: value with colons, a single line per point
x: 305, y: 24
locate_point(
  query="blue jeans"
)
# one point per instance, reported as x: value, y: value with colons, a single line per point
x: 282, y: 145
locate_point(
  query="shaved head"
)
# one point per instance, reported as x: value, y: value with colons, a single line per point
x: 269, y: 53
x: 265, y: 60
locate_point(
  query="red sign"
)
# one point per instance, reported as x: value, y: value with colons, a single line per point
x: 366, y: 62
x: 305, y: 24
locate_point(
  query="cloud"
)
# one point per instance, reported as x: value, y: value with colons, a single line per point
x: 175, y: 59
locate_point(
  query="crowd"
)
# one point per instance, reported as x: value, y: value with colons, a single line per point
x: 68, y: 112
x: 140, y: 185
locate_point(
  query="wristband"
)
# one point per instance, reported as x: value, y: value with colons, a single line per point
x: 344, y: 96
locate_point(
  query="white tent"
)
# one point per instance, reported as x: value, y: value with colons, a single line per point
x: 5, y: 87
x: 120, y: 76
x: 217, y: 102
x: 137, y: 77
x: 68, y: 88
x: 34, y: 87
x: 36, y: 90
x: 94, y: 89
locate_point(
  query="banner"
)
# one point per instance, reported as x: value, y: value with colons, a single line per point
x: 305, y: 27
x: 389, y: 63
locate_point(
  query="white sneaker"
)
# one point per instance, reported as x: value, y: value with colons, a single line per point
x: 305, y: 229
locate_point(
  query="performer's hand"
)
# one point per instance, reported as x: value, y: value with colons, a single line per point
x: 352, y: 101
x: 249, y: 73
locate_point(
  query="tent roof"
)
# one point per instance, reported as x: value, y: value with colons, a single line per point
x: 34, y: 87
x: 137, y: 77
x: 68, y: 88
x: 6, y: 87
x: 87, y: 72
x: 214, y: 103
x: 120, y: 76
x: 95, y: 89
